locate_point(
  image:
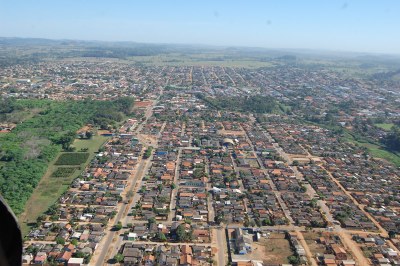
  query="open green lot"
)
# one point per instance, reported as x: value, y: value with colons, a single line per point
x: 385, y: 126
x: 378, y: 152
x: 92, y: 144
x: 375, y: 150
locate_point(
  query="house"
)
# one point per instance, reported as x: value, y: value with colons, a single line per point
x: 329, y: 262
x: 26, y: 259
x: 132, y: 256
x: 149, y: 260
x: 185, y: 260
x: 40, y: 258
x: 339, y: 252
x: 348, y: 263
x: 132, y: 236
x: 64, y: 256
x: 87, y: 250
x: 197, y: 233
x: 75, y: 262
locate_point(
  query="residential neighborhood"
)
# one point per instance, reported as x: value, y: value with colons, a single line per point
x: 181, y: 182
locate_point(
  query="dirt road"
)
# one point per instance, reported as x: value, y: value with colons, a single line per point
x: 354, y: 248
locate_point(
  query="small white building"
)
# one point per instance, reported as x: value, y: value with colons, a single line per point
x: 75, y: 262
x: 132, y: 236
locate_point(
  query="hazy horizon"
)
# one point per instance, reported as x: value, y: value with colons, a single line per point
x: 311, y: 51
x: 336, y: 26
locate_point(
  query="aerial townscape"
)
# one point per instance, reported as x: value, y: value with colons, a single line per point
x: 133, y: 154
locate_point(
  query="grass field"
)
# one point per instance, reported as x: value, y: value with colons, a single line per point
x: 385, y: 126
x: 92, y: 144
x: 50, y: 187
x: 378, y: 152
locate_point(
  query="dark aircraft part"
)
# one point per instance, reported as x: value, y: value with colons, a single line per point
x: 10, y: 237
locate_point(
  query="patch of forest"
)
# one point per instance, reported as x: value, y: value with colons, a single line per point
x: 253, y: 104
x: 392, y: 140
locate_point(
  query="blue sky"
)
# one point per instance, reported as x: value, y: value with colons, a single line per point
x: 359, y: 25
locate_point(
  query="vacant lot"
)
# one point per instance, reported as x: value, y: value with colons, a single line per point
x: 141, y: 104
x: 273, y: 249
x: 72, y: 158
x: 311, y: 240
x: 253, y: 163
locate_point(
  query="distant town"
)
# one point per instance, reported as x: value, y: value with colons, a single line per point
x: 281, y: 164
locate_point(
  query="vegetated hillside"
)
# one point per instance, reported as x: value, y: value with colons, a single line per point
x: 26, y: 151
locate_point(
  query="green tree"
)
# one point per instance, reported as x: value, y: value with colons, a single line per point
x: 161, y: 237
x: 41, y: 218
x: 130, y: 194
x: 151, y: 220
x: 392, y: 140
x: 198, y: 173
x: 118, y: 226
x: 79, y: 254
x: 66, y: 140
x: 219, y: 219
x: 32, y: 250
x: 258, y: 222
x: 392, y: 234
x: 148, y: 152
x: 119, y: 257
x: 267, y: 221
x: 293, y: 260
x: 60, y: 240
x: 313, y: 203
x: 183, y: 235
x: 89, y: 134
